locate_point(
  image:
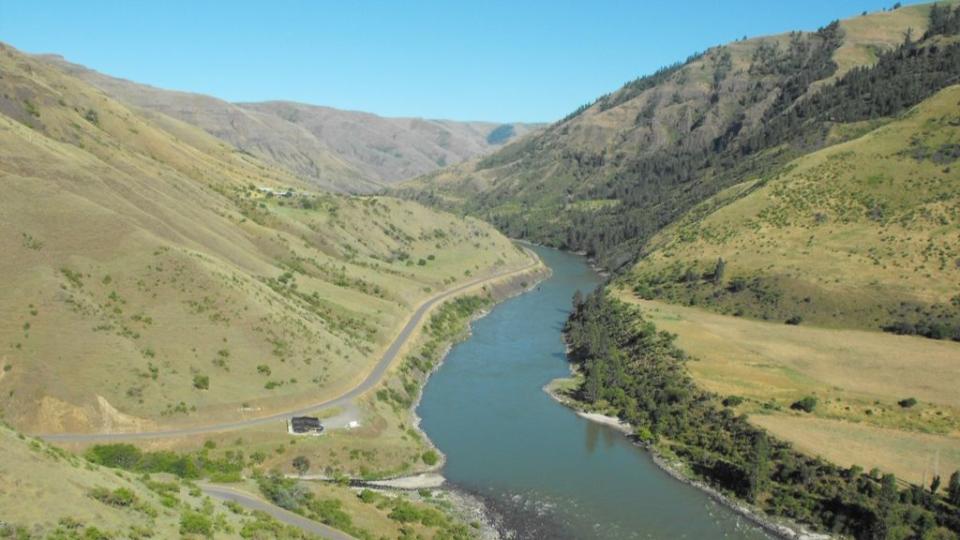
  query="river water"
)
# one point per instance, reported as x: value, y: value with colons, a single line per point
x: 544, y: 470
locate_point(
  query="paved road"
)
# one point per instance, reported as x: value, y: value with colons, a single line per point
x: 372, y: 379
x: 253, y: 503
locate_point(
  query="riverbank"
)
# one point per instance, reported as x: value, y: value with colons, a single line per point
x: 498, y: 292
x: 464, y: 505
x: 558, y: 390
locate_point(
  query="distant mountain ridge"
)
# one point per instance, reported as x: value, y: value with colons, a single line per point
x: 334, y: 149
x: 611, y: 174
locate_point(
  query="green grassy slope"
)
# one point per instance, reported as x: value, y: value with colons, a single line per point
x: 148, y: 281
x: 862, y: 234
x: 610, y: 175
x: 48, y: 493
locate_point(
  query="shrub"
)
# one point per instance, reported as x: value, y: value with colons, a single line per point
x: 430, y: 457
x: 368, y: 496
x: 301, y: 464
x: 120, y: 497
x: 195, y: 523
x: 907, y: 403
x: 404, y: 512
x: 201, y: 382
x: 807, y: 404
x: 795, y: 320
x: 121, y: 456
x: 732, y: 401
x: 737, y: 284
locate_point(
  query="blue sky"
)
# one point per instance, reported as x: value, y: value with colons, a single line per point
x: 485, y: 60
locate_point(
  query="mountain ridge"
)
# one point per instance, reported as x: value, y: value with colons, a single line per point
x: 612, y: 173
x: 334, y: 149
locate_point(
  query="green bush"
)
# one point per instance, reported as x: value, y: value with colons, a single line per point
x: 732, y: 401
x: 368, y: 496
x: 807, y: 404
x: 120, y: 497
x: 201, y: 382
x: 907, y: 403
x: 195, y: 523
x: 120, y: 456
x: 430, y: 457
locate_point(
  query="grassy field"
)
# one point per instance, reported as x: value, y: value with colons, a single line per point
x: 147, y: 268
x: 858, y: 378
x: 864, y: 36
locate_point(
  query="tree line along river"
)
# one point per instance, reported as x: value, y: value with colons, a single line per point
x: 546, y: 472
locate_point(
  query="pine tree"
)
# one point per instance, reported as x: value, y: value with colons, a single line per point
x: 759, y: 474
x: 953, y: 488
x: 718, y: 271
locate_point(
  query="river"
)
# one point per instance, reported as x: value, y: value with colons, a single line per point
x: 544, y: 470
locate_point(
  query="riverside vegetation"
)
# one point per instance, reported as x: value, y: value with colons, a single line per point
x: 175, y: 273
x: 636, y: 372
x: 161, y: 277
x: 807, y: 180
x: 250, y: 465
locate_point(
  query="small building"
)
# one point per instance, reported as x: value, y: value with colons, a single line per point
x: 305, y: 425
x: 270, y: 192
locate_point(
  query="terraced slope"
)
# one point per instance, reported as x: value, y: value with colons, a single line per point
x: 150, y: 282
x: 337, y: 150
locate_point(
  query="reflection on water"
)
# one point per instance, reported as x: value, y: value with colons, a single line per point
x: 595, y: 431
x: 547, y: 472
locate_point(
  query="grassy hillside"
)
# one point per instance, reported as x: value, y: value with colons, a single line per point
x: 333, y: 149
x: 48, y: 493
x: 863, y: 234
x: 613, y: 173
x: 149, y: 281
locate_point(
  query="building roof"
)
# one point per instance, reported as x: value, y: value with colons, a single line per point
x: 301, y: 424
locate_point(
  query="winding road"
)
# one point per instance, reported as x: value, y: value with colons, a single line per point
x: 251, y: 502
x: 346, y: 399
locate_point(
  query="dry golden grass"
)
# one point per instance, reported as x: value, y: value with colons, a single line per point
x: 141, y: 258
x: 857, y: 376
x: 914, y: 457
x: 864, y: 37
x: 765, y: 359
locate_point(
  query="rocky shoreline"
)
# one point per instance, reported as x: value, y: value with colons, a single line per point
x: 468, y: 507
x: 779, y: 528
